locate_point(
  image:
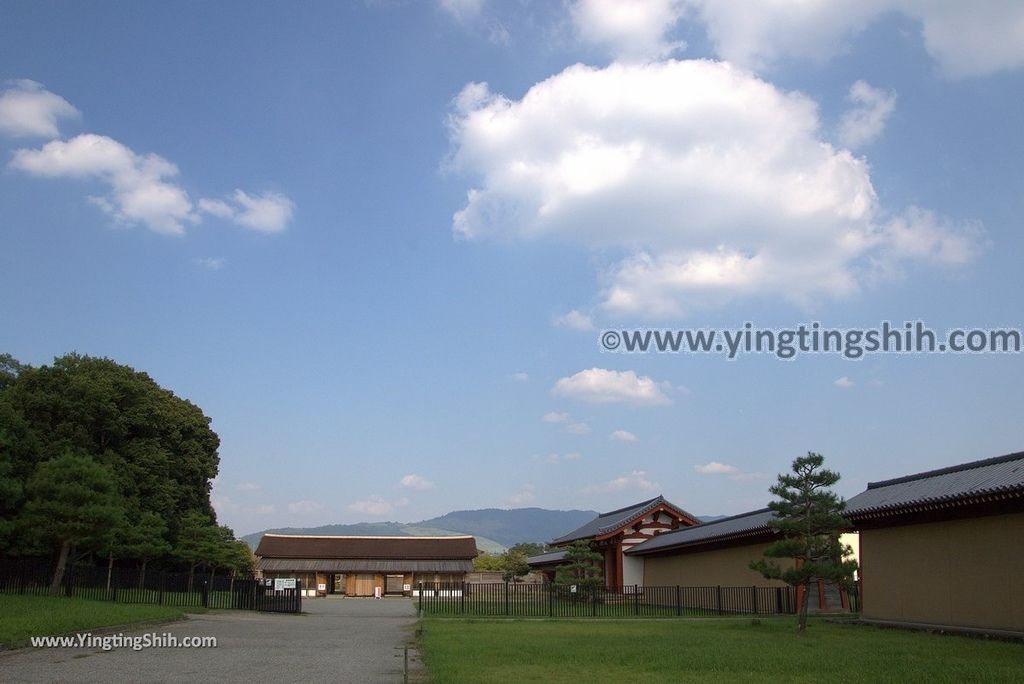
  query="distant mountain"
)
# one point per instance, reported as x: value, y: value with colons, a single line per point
x: 513, y: 526
x: 495, y: 529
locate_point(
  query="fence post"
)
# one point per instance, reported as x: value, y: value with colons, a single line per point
x: 551, y: 599
x: 506, y: 599
x: 636, y: 599
x: 462, y: 598
x: 113, y: 586
x: 679, y: 601
x: 718, y: 599
x: 163, y: 577
x: 753, y: 596
x: 206, y: 593
x: 421, y: 598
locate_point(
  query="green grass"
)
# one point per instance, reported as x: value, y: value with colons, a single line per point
x: 22, y: 617
x: 705, y: 650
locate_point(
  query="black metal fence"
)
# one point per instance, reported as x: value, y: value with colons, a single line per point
x: 131, y: 585
x: 549, y: 600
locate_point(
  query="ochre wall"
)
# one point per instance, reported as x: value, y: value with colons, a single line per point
x: 721, y: 567
x: 961, y: 573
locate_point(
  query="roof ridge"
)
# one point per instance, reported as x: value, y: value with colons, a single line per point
x: 626, y: 508
x: 1017, y: 455
x: 362, y: 536
x: 725, y: 519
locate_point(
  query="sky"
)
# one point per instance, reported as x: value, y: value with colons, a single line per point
x: 378, y: 242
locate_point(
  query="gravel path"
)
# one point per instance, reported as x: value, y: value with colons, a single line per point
x: 334, y: 640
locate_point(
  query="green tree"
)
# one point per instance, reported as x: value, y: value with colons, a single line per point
x: 809, y: 516
x: 529, y: 549
x: 198, y: 544
x: 514, y: 565
x: 72, y: 502
x: 488, y: 562
x: 582, y: 567
x: 159, y: 447
x: 11, y: 491
x: 143, y: 539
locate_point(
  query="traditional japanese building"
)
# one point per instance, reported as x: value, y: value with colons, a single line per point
x: 944, y: 547
x: 359, y: 566
x: 613, y: 533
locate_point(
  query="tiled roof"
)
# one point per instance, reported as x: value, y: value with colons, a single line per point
x: 362, y: 565
x: 743, y: 525
x: 422, y: 548
x: 612, y: 520
x: 546, y: 558
x: 962, y: 484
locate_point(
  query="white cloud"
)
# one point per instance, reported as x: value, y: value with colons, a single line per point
x: 623, y: 436
x: 266, y: 509
x: 634, y: 481
x: 520, y: 377
x: 304, y: 507
x: 141, y: 189
x: 629, y: 29
x: 247, y: 487
x: 211, y: 263
x: 463, y: 11
x: 716, y: 468
x: 372, y: 506
x: 575, y: 320
x: 714, y: 183
x: 601, y: 386
x: 553, y: 417
x: 843, y: 382
x: 965, y: 38
x: 524, y: 496
x: 416, y: 482
x: 556, y: 458
x: 267, y: 213
x: 864, y: 122
x: 577, y: 429
x: 27, y: 109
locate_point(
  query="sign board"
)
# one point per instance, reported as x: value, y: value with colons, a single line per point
x: 321, y: 587
x: 406, y: 587
x: 281, y: 583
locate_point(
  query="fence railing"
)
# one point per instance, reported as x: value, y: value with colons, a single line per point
x: 130, y: 585
x: 550, y: 600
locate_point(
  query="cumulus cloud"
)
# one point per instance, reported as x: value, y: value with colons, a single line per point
x: 27, y: 109
x: 634, y: 481
x: 269, y: 212
x: 629, y: 29
x: 602, y: 386
x: 713, y: 183
x: 463, y: 11
x: 843, y: 382
x: 554, y: 417
x: 575, y: 320
x: 141, y: 187
x: 524, y: 496
x: 372, y: 506
x: 864, y: 122
x: 577, y: 429
x: 247, y: 487
x: 623, y: 436
x: 304, y: 507
x: 416, y: 482
x: 716, y: 468
x: 211, y: 263
x: 966, y: 39
x: 520, y: 377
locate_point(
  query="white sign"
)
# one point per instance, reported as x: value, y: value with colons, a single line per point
x: 281, y: 583
x: 321, y: 587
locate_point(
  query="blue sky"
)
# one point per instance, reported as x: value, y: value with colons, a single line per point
x: 377, y: 242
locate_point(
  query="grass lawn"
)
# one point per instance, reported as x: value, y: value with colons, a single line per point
x: 705, y: 650
x: 25, y: 616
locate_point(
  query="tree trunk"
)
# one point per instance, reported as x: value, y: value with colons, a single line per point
x: 142, y: 574
x: 801, y: 624
x: 62, y: 563
x: 110, y: 567
x: 191, y: 574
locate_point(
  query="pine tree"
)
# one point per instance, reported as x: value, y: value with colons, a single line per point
x: 581, y: 568
x: 809, y: 517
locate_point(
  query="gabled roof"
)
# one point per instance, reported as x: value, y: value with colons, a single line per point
x: 549, y: 558
x: 405, y: 548
x: 962, y: 485
x: 613, y: 520
x: 740, y: 526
